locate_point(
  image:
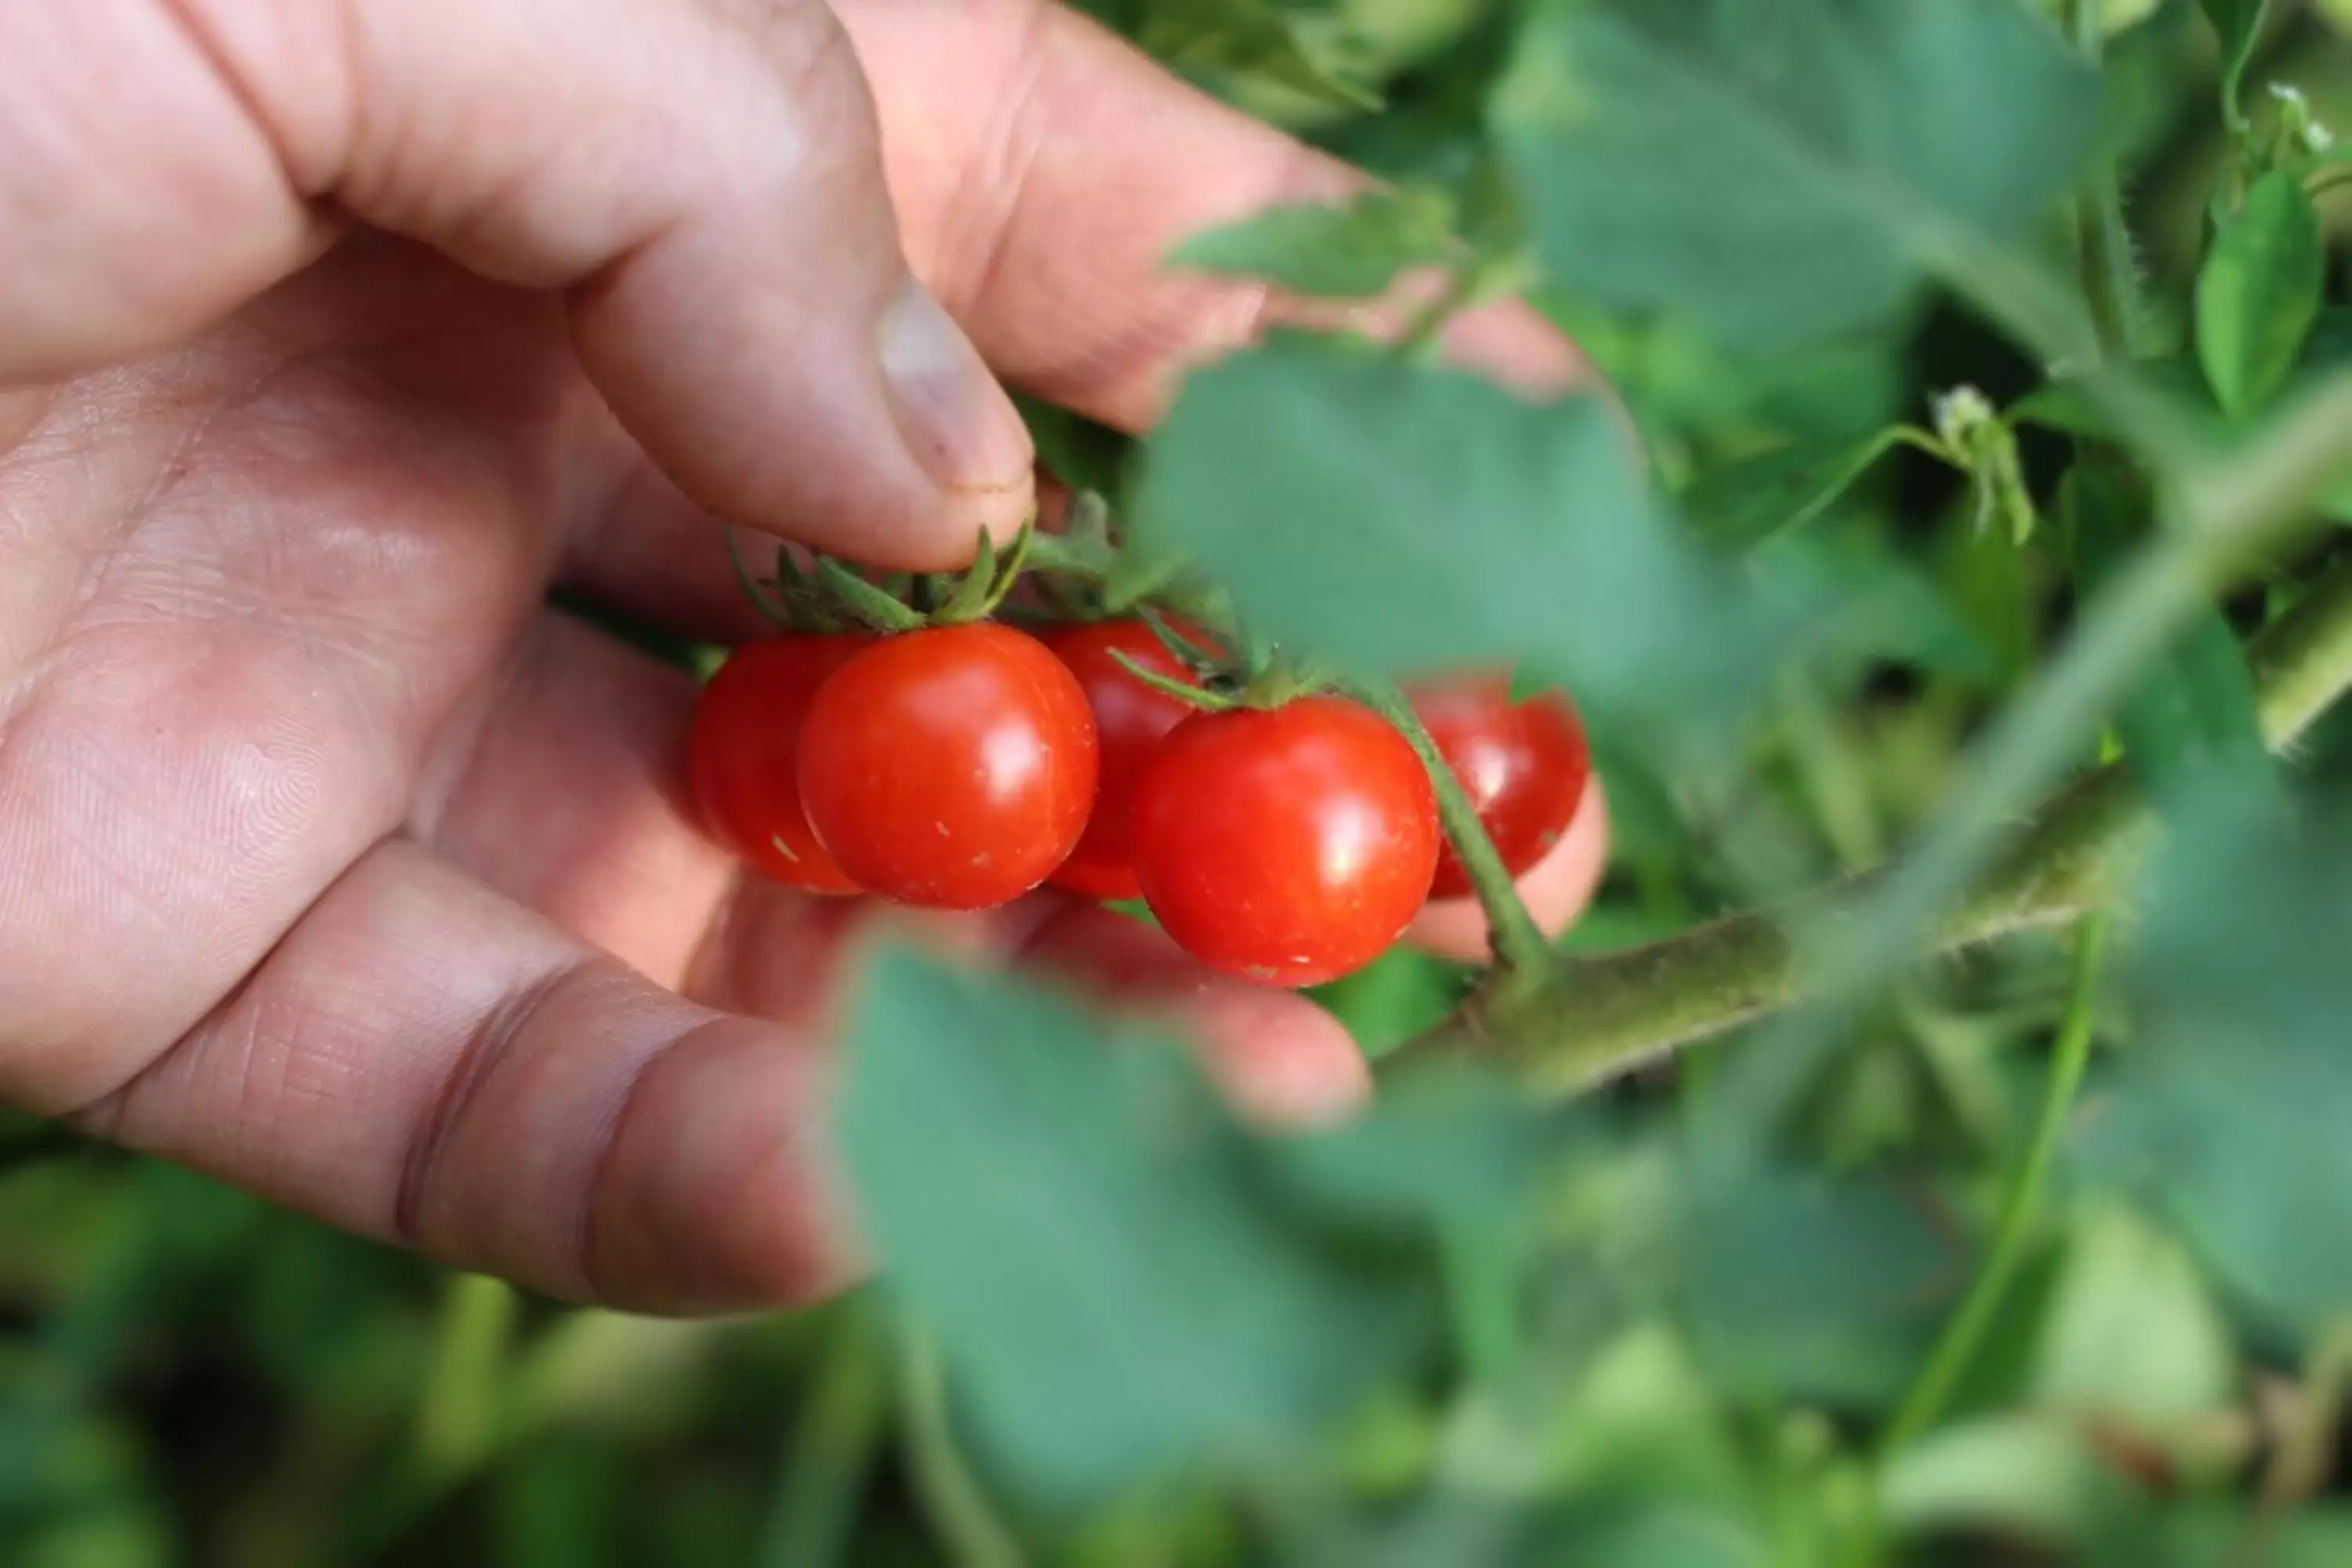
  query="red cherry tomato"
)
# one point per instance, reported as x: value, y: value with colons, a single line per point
x: 951, y: 769
x: 742, y: 752
x: 1130, y: 718
x: 1289, y: 845
x: 1523, y: 764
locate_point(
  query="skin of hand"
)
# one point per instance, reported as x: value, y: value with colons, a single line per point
x: 331, y: 333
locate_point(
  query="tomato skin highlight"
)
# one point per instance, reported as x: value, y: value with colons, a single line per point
x: 742, y: 752
x: 1130, y: 719
x: 1524, y: 765
x: 1289, y: 845
x: 950, y: 769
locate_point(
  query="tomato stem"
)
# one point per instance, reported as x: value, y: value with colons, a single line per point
x: 1199, y: 696
x: 779, y: 611
x: 1522, y: 952
x: 1964, y: 1333
x: 1591, y: 1018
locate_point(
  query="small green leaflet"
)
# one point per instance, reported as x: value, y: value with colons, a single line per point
x: 1742, y: 504
x: 2259, y: 292
x: 2071, y: 405
x: 1248, y: 38
x: 1349, y: 252
x: 1403, y: 518
x: 1789, y: 171
x: 2191, y: 722
x: 1120, y: 1279
x: 2114, y: 16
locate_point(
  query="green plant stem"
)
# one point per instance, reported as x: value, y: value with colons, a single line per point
x: 1594, y: 1017
x: 953, y: 1499
x: 832, y: 1448
x: 456, y: 1421
x: 1522, y: 953
x: 2103, y: 241
x: 2020, y: 1209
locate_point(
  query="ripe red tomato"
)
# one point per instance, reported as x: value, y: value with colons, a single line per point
x: 1523, y: 764
x: 952, y: 768
x: 1288, y: 846
x: 742, y: 751
x: 1130, y: 718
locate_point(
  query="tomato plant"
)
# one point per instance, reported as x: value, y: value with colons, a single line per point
x: 949, y: 768
x: 1130, y: 720
x: 1289, y: 845
x: 1524, y: 766
x: 1953, y: 576
x: 742, y: 755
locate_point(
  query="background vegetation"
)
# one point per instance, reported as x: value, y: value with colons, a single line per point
x: 1992, y: 371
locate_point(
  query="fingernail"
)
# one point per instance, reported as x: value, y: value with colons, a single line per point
x: 951, y: 413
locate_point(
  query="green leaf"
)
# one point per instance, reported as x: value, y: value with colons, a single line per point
x: 2190, y: 723
x: 2238, y: 24
x: 2114, y: 16
x: 2258, y: 291
x: 1083, y: 455
x: 2200, y: 1534
x: 1746, y: 502
x: 2069, y: 405
x: 2027, y: 1474
x: 1810, y: 1286
x: 1248, y: 38
x: 1637, y: 1537
x: 1888, y: 610
x: 2233, y: 1107
x: 1789, y: 171
x: 1448, y: 1146
x: 1355, y: 251
x: 1402, y: 518
x: 1643, y: 1421
x: 1122, y: 1280
x: 2130, y: 1333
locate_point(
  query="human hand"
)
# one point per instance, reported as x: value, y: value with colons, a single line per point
x: 330, y: 334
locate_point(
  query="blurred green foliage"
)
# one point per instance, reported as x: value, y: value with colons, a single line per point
x: 1116, y: 1329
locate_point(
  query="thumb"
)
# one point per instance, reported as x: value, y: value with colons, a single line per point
x: 702, y: 178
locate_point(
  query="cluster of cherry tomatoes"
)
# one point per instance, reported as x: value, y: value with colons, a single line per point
x: 960, y: 766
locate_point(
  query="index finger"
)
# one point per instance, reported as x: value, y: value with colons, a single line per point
x: 1044, y: 169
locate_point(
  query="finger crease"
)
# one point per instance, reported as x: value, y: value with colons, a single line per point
x: 490, y: 1041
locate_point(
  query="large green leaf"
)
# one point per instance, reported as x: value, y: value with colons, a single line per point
x: 1809, y: 1284
x: 1787, y: 169
x: 2258, y: 291
x: 1120, y: 1278
x: 1410, y: 518
x: 2233, y: 1106
x: 1078, y: 1227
